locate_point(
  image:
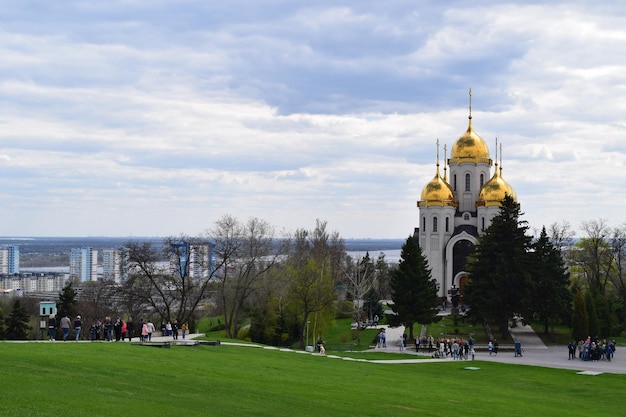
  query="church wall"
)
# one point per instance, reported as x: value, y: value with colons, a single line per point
x: 433, y: 242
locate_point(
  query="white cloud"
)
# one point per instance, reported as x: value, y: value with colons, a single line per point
x: 121, y: 118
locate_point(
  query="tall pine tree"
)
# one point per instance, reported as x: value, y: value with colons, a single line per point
x: 67, y: 301
x: 413, y: 291
x: 18, y: 323
x: 550, y: 280
x: 498, y: 287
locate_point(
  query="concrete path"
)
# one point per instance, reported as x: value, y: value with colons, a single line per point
x: 535, y: 353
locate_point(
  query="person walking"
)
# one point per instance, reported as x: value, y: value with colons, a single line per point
x: 185, y: 329
x: 130, y: 329
x: 175, y: 329
x: 144, y: 332
x: 140, y: 328
x: 78, y: 325
x: 118, y: 329
x: 52, y: 327
x: 151, y: 330
x: 108, y: 328
x: 65, y: 327
x: 98, y: 329
x: 571, y: 347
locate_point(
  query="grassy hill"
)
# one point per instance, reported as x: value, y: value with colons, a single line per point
x: 113, y: 379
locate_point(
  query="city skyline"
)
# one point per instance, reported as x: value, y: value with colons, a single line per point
x: 156, y: 118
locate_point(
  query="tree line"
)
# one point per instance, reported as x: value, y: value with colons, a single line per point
x: 268, y: 288
x: 279, y: 293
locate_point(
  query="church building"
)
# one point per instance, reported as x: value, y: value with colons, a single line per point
x: 455, y: 211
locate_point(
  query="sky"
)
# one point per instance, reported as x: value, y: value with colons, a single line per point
x: 157, y: 118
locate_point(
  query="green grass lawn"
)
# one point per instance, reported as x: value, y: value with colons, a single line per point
x: 115, y: 379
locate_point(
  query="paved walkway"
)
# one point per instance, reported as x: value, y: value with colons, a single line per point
x: 535, y: 353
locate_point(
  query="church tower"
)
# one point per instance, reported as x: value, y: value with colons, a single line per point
x: 455, y: 212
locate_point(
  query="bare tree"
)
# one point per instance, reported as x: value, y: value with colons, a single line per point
x: 97, y: 300
x: 592, y: 257
x: 246, y: 253
x: 561, y: 235
x: 618, y: 278
x: 360, y: 276
x: 164, y: 279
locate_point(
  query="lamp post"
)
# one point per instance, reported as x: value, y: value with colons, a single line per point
x: 454, y: 297
x: 307, y: 332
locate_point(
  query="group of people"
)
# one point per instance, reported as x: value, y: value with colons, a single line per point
x: 444, y: 347
x: 592, y: 349
x: 109, y: 329
x: 65, y: 325
x: 458, y: 349
x: 381, y: 338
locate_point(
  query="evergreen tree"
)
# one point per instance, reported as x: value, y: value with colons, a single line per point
x: 2, y: 333
x: 67, y: 301
x: 580, y: 319
x: 498, y: 289
x: 550, y: 280
x: 413, y: 290
x: 18, y: 323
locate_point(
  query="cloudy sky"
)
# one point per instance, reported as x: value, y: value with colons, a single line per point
x: 153, y: 118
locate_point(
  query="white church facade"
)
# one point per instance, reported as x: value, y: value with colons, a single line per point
x: 455, y: 210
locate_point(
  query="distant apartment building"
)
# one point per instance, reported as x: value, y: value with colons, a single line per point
x: 114, y: 265
x: 84, y: 264
x: 28, y: 283
x: 9, y: 259
x: 194, y: 261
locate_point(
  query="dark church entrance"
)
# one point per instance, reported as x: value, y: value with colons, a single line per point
x: 460, y: 252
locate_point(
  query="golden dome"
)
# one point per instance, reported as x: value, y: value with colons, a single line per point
x: 437, y: 193
x: 494, y: 191
x: 469, y: 147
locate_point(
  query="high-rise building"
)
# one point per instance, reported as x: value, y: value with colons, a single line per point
x: 113, y: 265
x: 202, y: 261
x: 194, y: 261
x: 455, y: 212
x: 9, y: 259
x: 84, y: 264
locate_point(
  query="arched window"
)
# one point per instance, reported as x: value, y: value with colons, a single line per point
x: 482, y: 180
x: 454, y: 182
x: 447, y: 224
x: 466, y: 217
x: 467, y: 182
x: 483, y: 219
x: 434, y: 224
x: 424, y: 223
